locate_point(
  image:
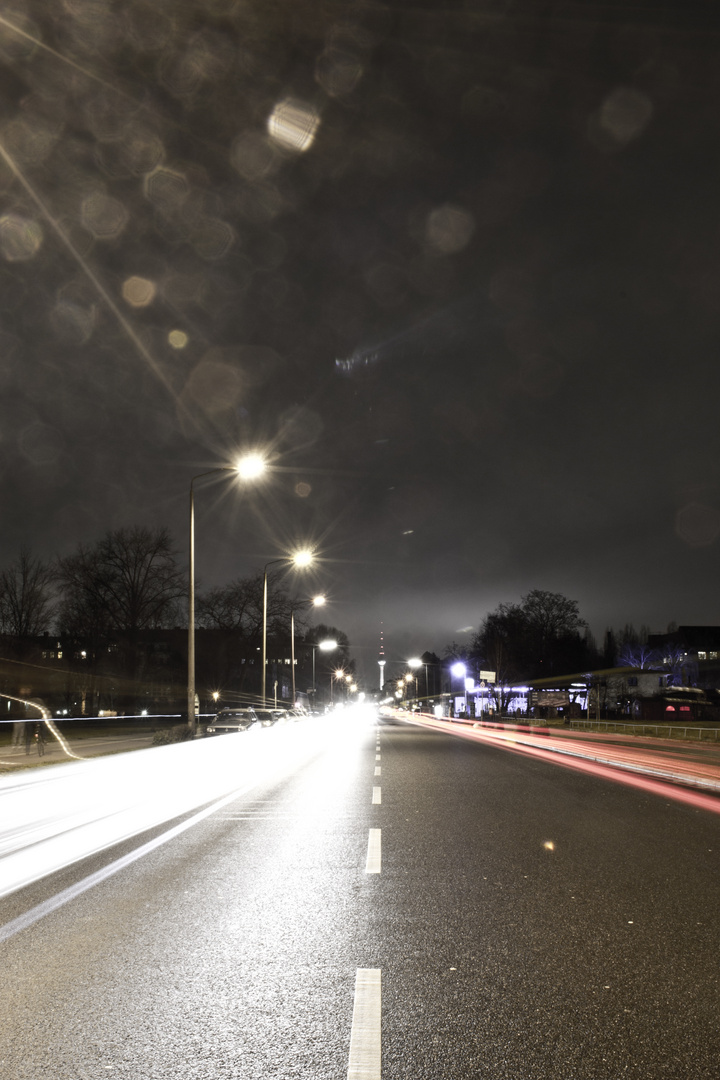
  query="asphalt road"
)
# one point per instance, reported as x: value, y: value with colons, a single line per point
x: 524, y: 920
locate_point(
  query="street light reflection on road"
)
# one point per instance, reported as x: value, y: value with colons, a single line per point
x: 69, y: 812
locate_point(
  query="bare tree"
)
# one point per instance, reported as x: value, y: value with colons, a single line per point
x: 127, y: 581
x: 638, y: 655
x: 238, y: 606
x: 675, y: 659
x: 26, y: 596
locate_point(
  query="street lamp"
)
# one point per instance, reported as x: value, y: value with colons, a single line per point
x: 415, y: 662
x: 249, y: 467
x: 300, y: 559
x: 316, y: 601
x: 337, y: 674
x: 326, y: 646
x: 459, y: 670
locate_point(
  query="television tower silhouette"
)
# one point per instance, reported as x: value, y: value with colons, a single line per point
x: 381, y: 658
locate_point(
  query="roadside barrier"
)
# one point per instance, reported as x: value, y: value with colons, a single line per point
x: 659, y: 731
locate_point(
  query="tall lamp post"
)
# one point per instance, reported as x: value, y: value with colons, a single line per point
x: 299, y: 559
x: 459, y: 670
x: 317, y: 601
x: 248, y: 467
x: 326, y: 646
x: 415, y: 662
x: 337, y: 675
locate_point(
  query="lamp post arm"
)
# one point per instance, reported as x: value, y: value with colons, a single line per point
x: 292, y: 654
x: 264, y: 633
x: 191, y: 593
x: 191, y: 615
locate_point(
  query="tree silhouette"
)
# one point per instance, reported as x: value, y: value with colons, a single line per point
x: 26, y: 596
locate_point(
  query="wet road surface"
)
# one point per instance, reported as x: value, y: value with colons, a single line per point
x: 500, y: 916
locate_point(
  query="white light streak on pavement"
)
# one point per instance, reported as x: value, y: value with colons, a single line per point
x: 64, y: 813
x: 365, y: 1036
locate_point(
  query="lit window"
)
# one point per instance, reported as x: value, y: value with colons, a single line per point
x: 702, y: 656
x: 712, y: 655
x: 59, y: 655
x: 684, y: 708
x: 669, y: 708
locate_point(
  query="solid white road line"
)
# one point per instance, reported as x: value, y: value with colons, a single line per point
x: 373, y: 864
x: 365, y: 1036
x: 377, y: 796
x: 378, y: 770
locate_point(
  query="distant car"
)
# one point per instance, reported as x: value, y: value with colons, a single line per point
x: 228, y: 720
x: 268, y: 717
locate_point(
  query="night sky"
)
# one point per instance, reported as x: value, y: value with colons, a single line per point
x: 455, y: 267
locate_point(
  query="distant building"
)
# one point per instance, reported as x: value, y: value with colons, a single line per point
x: 691, y: 653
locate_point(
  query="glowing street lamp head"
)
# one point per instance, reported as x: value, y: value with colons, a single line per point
x: 303, y: 558
x: 414, y: 661
x: 458, y: 670
x: 318, y: 601
x: 339, y: 673
x: 328, y: 645
x: 250, y: 466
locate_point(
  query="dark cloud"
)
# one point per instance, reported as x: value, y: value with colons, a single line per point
x: 456, y: 265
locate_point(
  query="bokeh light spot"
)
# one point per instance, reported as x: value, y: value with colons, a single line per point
x: 141, y: 151
x: 178, y: 339
x: 103, y: 216
x: 20, y: 237
x: 72, y: 321
x: 293, y: 124
x: 138, y: 291
x: 212, y: 238
x: 303, y: 489
x: 338, y: 72
x: 166, y: 189
x: 253, y: 155
x: 449, y: 229
x: 625, y: 114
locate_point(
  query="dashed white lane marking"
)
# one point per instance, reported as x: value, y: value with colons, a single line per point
x: 378, y: 770
x: 365, y: 1036
x: 373, y: 864
x: 377, y: 796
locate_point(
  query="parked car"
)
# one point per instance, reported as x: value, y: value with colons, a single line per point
x: 268, y: 717
x: 228, y: 720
